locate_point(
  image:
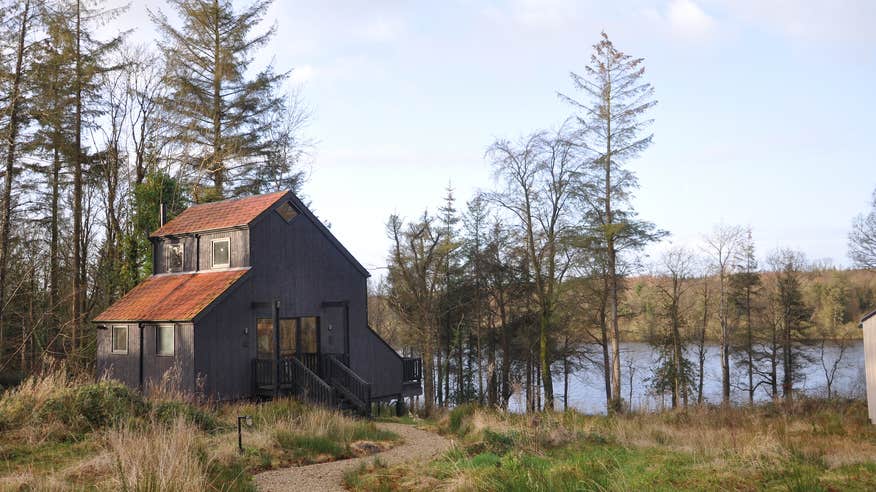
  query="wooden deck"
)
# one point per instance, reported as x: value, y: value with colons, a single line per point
x: 326, y: 379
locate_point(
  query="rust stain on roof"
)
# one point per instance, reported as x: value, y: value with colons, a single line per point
x: 173, y: 297
x: 219, y: 215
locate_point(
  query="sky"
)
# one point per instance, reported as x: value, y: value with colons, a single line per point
x: 765, y: 107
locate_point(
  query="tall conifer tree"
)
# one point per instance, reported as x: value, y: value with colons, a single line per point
x: 222, y: 114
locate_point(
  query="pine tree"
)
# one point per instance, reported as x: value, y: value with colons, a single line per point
x: 613, y: 126
x: 222, y: 118
x: 744, y: 287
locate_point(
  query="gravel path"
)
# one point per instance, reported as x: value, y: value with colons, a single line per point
x: 417, y: 445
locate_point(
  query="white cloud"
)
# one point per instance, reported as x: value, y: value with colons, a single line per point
x: 537, y: 15
x: 813, y: 20
x: 688, y: 20
x: 683, y: 19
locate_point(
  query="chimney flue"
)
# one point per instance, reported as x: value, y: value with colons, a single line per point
x: 162, y: 214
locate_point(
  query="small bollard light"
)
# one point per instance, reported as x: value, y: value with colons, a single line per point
x: 242, y: 419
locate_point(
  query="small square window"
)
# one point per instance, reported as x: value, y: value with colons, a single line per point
x: 164, y: 335
x: 221, y: 253
x: 120, y: 339
x: 174, y: 257
x: 287, y: 211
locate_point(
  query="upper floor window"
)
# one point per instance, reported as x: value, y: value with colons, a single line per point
x: 287, y: 211
x: 221, y: 253
x: 174, y: 257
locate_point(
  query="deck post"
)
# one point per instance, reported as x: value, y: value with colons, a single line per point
x: 276, y: 322
x: 399, y: 406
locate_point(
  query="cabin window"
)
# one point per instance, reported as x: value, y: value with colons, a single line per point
x: 120, y: 339
x: 221, y: 253
x: 164, y: 338
x: 174, y: 257
x: 289, y: 340
x: 265, y: 338
x: 287, y: 337
x: 308, y: 334
x: 287, y: 211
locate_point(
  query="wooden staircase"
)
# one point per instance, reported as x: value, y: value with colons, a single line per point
x: 338, y: 386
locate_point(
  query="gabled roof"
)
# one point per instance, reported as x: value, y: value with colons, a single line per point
x: 172, y: 297
x: 219, y: 215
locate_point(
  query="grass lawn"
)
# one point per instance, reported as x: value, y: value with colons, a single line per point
x: 813, y: 445
x: 63, y: 432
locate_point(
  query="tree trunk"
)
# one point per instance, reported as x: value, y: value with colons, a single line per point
x: 78, y: 273
x: 544, y: 360
x: 11, y: 144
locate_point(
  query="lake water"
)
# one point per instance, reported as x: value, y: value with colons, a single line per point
x: 587, y: 387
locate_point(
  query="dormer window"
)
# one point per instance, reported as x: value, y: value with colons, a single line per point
x: 174, y: 257
x: 221, y: 253
x: 287, y: 211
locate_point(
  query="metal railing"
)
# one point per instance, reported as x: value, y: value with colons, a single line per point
x: 412, y: 369
x: 349, y: 383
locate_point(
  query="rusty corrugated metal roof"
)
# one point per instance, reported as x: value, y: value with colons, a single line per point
x: 219, y: 215
x: 171, y: 297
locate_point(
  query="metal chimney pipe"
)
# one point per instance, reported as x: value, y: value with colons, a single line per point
x: 162, y: 214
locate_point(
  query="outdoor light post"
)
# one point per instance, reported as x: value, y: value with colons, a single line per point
x: 241, y: 419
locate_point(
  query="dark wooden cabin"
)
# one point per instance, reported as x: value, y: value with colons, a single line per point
x: 253, y: 297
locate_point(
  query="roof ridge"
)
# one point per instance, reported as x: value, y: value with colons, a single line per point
x: 235, y: 199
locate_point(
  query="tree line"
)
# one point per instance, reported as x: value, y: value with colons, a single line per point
x: 546, y: 274
x: 98, y: 130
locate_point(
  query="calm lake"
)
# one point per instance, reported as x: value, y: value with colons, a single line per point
x: 587, y: 390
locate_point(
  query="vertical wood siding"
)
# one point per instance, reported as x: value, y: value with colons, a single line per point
x: 238, y: 240
x: 126, y: 367
x: 870, y: 365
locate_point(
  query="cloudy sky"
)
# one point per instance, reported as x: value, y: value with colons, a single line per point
x: 764, y: 117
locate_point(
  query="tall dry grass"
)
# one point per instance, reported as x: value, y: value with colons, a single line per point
x: 164, y: 458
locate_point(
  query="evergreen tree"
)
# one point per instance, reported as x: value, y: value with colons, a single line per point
x: 613, y: 126
x: 793, y: 316
x: 221, y: 117
x: 744, y: 287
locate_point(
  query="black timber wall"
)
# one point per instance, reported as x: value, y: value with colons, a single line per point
x: 225, y: 342
x: 297, y: 263
x: 126, y: 367
x: 197, y: 248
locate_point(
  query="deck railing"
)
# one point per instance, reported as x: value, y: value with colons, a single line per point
x: 412, y: 369
x: 307, y: 382
x: 293, y: 373
x: 349, y: 383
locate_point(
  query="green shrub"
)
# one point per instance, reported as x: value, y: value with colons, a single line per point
x: 367, y: 431
x: 309, y: 446
x: 458, y: 416
x: 499, y: 442
x: 167, y: 412
x: 91, y: 406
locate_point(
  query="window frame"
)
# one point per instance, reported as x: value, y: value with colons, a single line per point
x: 167, y: 254
x: 113, y: 349
x: 213, y: 264
x: 158, y: 329
x: 292, y: 207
